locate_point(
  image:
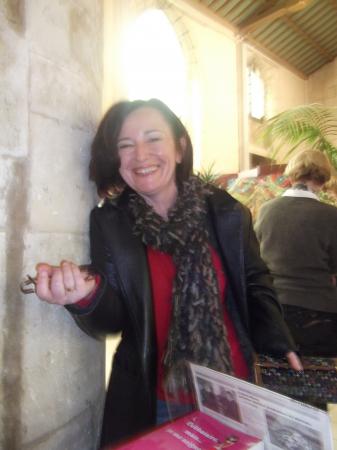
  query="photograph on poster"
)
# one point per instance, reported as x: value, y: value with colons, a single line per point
x: 283, y: 434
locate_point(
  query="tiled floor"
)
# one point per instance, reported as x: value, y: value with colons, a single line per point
x: 333, y: 414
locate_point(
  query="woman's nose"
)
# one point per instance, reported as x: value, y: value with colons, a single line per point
x: 141, y: 151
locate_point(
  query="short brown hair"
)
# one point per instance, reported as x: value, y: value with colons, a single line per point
x: 309, y: 165
x: 105, y: 163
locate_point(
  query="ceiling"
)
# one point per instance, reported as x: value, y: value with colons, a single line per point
x: 300, y: 34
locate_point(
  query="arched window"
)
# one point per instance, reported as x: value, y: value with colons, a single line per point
x: 153, y: 61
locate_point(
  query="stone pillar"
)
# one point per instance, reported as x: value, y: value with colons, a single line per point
x: 51, y: 373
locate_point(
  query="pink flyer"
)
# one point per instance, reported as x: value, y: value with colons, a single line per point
x: 196, y: 431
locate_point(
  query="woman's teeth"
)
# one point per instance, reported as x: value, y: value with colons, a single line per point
x: 145, y: 170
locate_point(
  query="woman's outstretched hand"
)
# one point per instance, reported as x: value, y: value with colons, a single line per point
x: 62, y: 285
x: 294, y: 361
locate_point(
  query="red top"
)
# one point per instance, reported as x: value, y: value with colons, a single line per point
x: 162, y: 270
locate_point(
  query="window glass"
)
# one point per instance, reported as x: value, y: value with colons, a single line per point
x: 256, y: 91
x: 153, y: 61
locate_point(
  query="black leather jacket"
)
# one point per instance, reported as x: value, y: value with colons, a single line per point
x: 124, y: 304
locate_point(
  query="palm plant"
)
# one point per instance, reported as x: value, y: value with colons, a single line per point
x: 208, y: 175
x: 315, y: 125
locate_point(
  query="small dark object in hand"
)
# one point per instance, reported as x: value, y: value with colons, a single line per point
x: 27, y: 286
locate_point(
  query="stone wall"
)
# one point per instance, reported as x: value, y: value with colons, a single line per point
x: 51, y: 374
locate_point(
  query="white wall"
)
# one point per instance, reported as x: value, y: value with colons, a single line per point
x: 322, y: 85
x: 283, y: 90
x: 216, y: 73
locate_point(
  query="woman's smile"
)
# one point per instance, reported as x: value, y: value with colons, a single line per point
x: 145, y: 170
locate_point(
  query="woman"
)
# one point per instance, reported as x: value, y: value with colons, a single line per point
x: 178, y: 269
x: 298, y: 241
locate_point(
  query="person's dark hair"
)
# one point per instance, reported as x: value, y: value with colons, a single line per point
x: 105, y: 163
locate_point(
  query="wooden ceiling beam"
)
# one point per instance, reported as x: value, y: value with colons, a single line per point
x: 207, y: 12
x: 333, y: 4
x: 258, y: 46
x: 322, y: 51
x: 271, y: 14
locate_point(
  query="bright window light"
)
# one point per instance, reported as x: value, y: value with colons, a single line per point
x: 153, y: 61
x: 256, y: 94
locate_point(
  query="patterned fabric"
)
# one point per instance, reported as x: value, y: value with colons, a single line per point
x: 255, y: 191
x: 197, y: 331
x: 316, y: 384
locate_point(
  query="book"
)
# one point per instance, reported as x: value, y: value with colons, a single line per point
x: 236, y: 414
x: 279, y: 421
x: 196, y: 431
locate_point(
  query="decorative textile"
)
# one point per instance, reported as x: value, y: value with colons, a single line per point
x: 316, y: 384
x: 197, y: 331
x: 255, y: 191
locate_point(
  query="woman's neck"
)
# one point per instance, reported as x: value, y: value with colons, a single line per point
x: 162, y: 202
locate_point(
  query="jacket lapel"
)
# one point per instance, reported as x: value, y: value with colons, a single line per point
x: 227, y: 221
x: 130, y: 260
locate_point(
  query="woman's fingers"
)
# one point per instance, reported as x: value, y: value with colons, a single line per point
x: 42, y: 282
x: 69, y: 280
x: 57, y: 285
x: 79, y: 278
x: 44, y: 266
x: 64, y: 284
x: 76, y: 282
x: 50, y: 285
x: 294, y: 361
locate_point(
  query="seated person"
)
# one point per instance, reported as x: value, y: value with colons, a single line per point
x: 298, y: 239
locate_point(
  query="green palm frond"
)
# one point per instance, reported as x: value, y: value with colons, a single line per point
x: 315, y: 125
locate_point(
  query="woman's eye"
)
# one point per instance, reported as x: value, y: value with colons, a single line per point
x: 125, y: 146
x: 155, y: 138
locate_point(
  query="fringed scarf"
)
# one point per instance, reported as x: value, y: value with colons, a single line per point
x: 197, y: 330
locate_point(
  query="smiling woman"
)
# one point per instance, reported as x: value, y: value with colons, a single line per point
x: 176, y: 270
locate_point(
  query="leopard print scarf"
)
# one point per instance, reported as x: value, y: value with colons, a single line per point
x: 197, y: 331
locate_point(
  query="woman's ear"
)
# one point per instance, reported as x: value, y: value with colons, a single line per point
x: 181, y: 149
